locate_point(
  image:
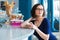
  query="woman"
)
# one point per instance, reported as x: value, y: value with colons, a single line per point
x: 39, y: 23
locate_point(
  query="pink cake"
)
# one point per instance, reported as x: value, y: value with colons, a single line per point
x: 16, y: 23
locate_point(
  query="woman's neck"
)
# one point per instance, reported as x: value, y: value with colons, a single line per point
x: 39, y: 18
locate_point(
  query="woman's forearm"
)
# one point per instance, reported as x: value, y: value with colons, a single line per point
x: 42, y: 35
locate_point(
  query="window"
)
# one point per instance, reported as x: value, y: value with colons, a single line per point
x: 56, y: 13
x: 34, y: 2
x: 45, y: 6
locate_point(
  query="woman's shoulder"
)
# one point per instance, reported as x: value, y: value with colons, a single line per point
x: 46, y: 23
x: 46, y: 19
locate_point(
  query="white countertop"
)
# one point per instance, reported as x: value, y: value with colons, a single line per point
x: 9, y: 33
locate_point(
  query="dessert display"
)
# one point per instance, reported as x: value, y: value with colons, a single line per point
x: 9, y: 7
x: 16, y: 20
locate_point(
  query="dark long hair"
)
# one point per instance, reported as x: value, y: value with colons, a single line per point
x: 33, y: 10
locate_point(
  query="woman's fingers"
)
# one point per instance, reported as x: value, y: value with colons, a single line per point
x: 33, y: 26
x: 29, y: 25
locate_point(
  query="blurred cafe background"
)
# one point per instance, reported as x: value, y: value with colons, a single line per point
x: 52, y: 10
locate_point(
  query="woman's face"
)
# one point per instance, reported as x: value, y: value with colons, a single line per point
x: 39, y: 10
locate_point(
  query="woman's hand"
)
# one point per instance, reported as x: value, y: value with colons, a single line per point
x: 33, y: 26
x: 29, y: 25
x: 26, y: 25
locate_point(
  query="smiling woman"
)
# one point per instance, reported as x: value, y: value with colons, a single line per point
x: 40, y: 24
